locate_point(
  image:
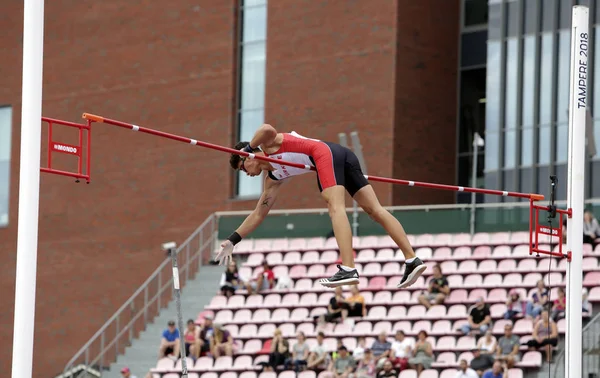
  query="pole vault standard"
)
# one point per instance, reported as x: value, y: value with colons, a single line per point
x: 130, y: 126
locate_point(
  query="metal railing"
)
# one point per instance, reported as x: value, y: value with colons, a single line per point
x: 146, y: 303
x: 590, y: 351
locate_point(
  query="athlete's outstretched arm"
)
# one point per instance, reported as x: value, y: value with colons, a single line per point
x: 252, y: 221
x: 264, y: 136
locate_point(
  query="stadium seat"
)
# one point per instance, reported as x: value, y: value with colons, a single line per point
x: 246, y: 374
x: 445, y: 359
x: 408, y: 374
x: 488, y: 266
x: 448, y: 373
x: 223, y: 363
x: 307, y: 374
x: 328, y: 257
x: 428, y: 373
x: 310, y: 257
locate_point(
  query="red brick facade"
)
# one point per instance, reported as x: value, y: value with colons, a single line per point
x: 331, y: 67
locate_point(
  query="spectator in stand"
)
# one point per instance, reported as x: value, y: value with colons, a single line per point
x: 318, y: 355
x: 334, y: 354
x: 480, y: 318
x: 488, y: 343
x: 481, y: 361
x: 169, y: 343
x: 230, y: 280
x: 464, y: 371
x: 334, y: 309
x: 381, y: 349
x: 387, y: 371
x: 366, y: 366
x: 402, y: 348
x: 514, y: 305
x: 221, y: 342
x: 591, y: 228
x: 538, y: 300
x: 497, y: 371
x: 300, y: 352
x: 191, y: 338
x: 559, y: 306
x: 206, y: 332
x: 360, y: 349
x: 264, y: 280
x: 422, y: 354
x: 438, y: 289
x: 508, y: 347
x: 545, y: 334
x: 343, y: 365
x: 280, y: 351
x: 126, y: 373
x: 354, y: 305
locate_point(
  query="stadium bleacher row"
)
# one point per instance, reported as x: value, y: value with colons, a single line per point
x: 486, y: 265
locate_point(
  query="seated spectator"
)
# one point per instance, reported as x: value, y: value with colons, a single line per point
x: 360, y: 349
x: 318, y: 355
x: 366, y: 366
x: 559, y: 306
x: 464, y: 371
x: 480, y: 318
x: 488, y: 343
x: 280, y: 351
x: 497, y: 371
x: 508, y: 347
x: 206, y: 332
x: 545, y: 334
x: 538, y: 300
x: 264, y: 280
x: 591, y: 228
x: 191, y: 338
x: 514, y: 305
x: 334, y: 309
x: 387, y: 371
x: 169, y: 343
x: 300, y: 352
x: 334, y: 354
x: 221, y: 342
x: 422, y: 354
x: 437, y: 291
x: 126, y: 373
x: 230, y: 280
x: 381, y: 349
x: 401, y: 350
x: 481, y: 362
x: 354, y: 305
x: 343, y: 364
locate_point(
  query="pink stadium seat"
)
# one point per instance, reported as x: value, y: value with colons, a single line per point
x: 442, y: 240
x: 224, y: 316
x: 449, y: 373
x: 448, y: 267
x: 442, y: 254
x: 380, y: 297
x: 551, y: 279
x: 280, y: 315
x: 497, y: 295
x: 408, y: 374
x: 507, y: 266
x: 591, y: 279
x: 423, y: 240
x: 308, y: 299
x: 252, y: 346
x: 310, y: 257
x: 423, y: 252
x: 287, y: 374
x: 299, y: 314
x: 242, y: 316
x: 390, y: 269
x: 248, y: 330
x: 527, y: 265
x: 307, y: 374
x: 316, y: 270
x: 266, y: 330
x: 562, y: 326
x: 457, y: 312
x: 307, y: 328
x: 455, y: 281
x: 401, y: 297
x: 477, y: 293
x: 255, y: 301
x: 324, y: 298
x: 164, y: 364
x: 594, y: 295
x: 232, y: 328
x: 260, y: 316
x: 303, y: 284
x: 317, y: 311
x: 501, y: 252
x: 363, y: 328
x: 446, y: 343
x: 462, y: 239
x: 589, y: 264
x: 385, y: 254
x: 523, y: 327
x: 436, y: 312
x: 521, y: 250
x: 368, y: 242
x: 488, y: 266
x: 482, y: 252
x: 421, y: 325
x: 497, y: 310
x: 466, y: 343
x: 223, y: 363
x: 288, y: 329
x: 288, y: 300
x: 396, y: 312
x: 244, y: 246
x: 457, y: 296
x: 492, y: 280
x: 342, y: 329
x: 481, y: 238
x: 499, y: 238
x: 382, y: 326
x: 328, y: 257
x: 203, y: 363
x: 467, y: 267
x: 499, y: 326
x: 316, y: 243
x: 236, y: 301
x: 547, y: 264
x: 429, y: 373
x: 441, y: 328
x: 468, y: 356
x: 386, y: 241
x: 248, y: 374
x: 378, y: 283
x: 404, y: 326
x: 367, y: 295
x: 512, y: 280
x: 296, y: 244
x: 262, y: 245
x: 366, y: 255
x: 446, y: 359
x: 280, y: 244
x: 254, y: 259
x: 217, y: 302
x: 204, y: 375
x: 267, y: 374
x: 531, y: 359
x: 473, y: 281
x: 281, y: 271
x: 416, y: 312
x: 515, y: 373
x: 274, y: 258
x: 372, y: 269
x: 531, y: 279
x: 297, y: 271
x: 229, y: 374
x: 179, y: 365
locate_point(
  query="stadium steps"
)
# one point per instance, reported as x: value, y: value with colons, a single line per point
x: 143, y: 353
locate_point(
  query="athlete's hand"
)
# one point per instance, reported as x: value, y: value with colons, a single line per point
x: 225, y: 256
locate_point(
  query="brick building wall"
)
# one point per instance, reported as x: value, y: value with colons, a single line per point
x: 331, y: 67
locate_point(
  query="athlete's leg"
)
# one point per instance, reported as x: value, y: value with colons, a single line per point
x: 336, y: 205
x: 367, y: 199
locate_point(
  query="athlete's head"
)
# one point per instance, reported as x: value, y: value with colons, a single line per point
x: 252, y: 167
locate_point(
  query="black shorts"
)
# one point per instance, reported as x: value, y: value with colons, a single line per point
x: 346, y: 169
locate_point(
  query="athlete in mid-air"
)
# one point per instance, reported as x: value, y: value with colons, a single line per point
x: 338, y: 170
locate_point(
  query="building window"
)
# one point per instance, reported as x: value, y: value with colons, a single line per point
x: 251, y: 82
x: 5, y: 139
x: 476, y: 12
